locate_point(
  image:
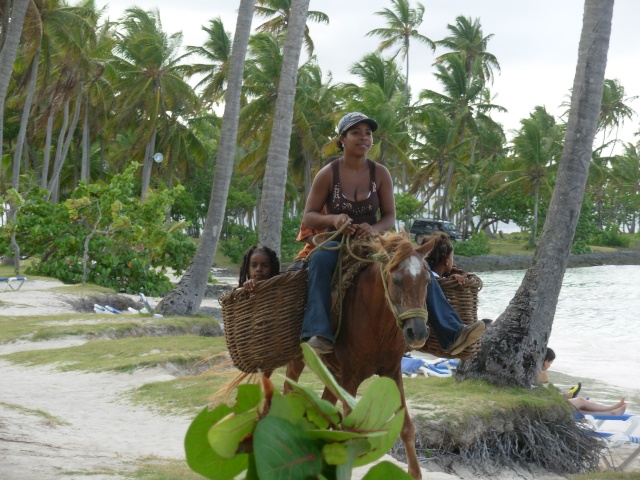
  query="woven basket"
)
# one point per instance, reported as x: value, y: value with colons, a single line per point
x: 262, y: 328
x: 464, y: 300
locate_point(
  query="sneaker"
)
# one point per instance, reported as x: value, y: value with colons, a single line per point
x: 468, y: 335
x: 573, y: 391
x: 320, y: 345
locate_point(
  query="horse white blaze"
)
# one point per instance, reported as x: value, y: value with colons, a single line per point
x: 415, y: 266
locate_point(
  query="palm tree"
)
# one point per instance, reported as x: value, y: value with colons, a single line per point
x: 186, y: 297
x: 280, y: 10
x: 625, y: 171
x: 464, y: 100
x: 615, y: 109
x: 512, y: 350
x: 273, y: 187
x: 9, y: 52
x: 151, y: 80
x: 380, y: 94
x: 312, y: 117
x: 437, y: 147
x: 537, y: 147
x: 466, y: 39
x: 402, y: 23
x: 217, y: 53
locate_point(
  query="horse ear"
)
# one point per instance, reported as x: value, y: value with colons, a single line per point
x: 426, y: 247
x: 405, y: 234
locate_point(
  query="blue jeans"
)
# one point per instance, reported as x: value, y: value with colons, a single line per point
x: 443, y: 318
x: 317, y: 316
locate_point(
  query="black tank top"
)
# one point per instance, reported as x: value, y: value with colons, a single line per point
x: 363, y: 211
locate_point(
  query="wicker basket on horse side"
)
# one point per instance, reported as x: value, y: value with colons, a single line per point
x: 464, y: 300
x: 262, y: 328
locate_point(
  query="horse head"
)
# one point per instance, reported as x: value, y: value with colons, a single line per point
x: 406, y: 278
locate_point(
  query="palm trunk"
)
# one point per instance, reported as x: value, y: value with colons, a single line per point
x: 47, y: 153
x: 26, y: 113
x: 186, y: 298
x: 512, y: 351
x: 54, y: 183
x: 275, y: 179
x: 147, y: 164
x: 86, y: 142
x: 8, y: 54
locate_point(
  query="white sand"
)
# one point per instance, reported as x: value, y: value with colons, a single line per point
x: 95, y: 428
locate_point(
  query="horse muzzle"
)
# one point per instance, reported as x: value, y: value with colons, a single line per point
x: 416, y: 332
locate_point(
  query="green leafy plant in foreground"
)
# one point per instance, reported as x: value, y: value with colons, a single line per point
x: 299, y: 435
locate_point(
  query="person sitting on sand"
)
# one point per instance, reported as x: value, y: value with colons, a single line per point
x: 582, y: 405
x: 259, y: 263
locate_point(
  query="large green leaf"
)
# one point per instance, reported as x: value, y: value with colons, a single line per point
x: 382, y: 444
x: 371, y: 413
x: 355, y: 447
x: 248, y: 397
x: 284, y: 452
x: 290, y: 407
x: 315, y: 364
x: 341, y: 436
x: 200, y: 456
x: 226, y: 435
x: 321, y: 407
x: 385, y: 471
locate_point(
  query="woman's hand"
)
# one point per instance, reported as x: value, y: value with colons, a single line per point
x: 461, y: 279
x: 340, y: 220
x: 364, y: 230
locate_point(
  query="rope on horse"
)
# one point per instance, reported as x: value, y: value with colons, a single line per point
x: 382, y: 257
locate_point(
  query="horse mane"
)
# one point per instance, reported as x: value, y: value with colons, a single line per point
x: 397, y: 246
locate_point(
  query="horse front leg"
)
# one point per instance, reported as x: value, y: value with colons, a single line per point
x: 294, y: 370
x: 408, y: 434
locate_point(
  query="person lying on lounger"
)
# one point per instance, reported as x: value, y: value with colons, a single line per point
x: 582, y: 405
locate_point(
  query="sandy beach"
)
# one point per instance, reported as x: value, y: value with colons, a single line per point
x: 90, y: 427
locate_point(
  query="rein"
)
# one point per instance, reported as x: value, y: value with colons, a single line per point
x: 383, y: 258
x: 413, y: 312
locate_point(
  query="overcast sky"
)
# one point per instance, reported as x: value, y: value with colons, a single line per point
x: 536, y: 43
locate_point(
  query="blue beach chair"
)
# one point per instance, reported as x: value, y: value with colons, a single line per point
x: 14, y: 283
x: 613, y: 439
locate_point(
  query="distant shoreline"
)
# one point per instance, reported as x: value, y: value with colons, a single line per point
x: 490, y: 263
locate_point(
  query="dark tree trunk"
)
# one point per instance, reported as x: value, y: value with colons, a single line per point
x: 513, y: 349
x: 186, y: 298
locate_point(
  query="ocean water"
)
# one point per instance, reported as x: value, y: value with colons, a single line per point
x: 596, y: 329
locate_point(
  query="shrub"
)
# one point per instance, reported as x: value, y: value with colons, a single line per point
x: 478, y: 244
x: 580, y: 247
x: 610, y: 238
x: 104, y: 234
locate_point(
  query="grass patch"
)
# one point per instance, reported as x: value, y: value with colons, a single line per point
x: 446, y: 399
x: 81, y: 290
x: 509, y: 247
x: 153, y: 468
x: 189, y: 395
x: 50, y: 419
x: 125, y: 355
x: 40, y: 328
x: 607, y: 476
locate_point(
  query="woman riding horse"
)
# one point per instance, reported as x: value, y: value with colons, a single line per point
x: 354, y: 190
x: 359, y: 193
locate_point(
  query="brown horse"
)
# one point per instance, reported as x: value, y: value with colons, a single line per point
x: 383, y: 315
